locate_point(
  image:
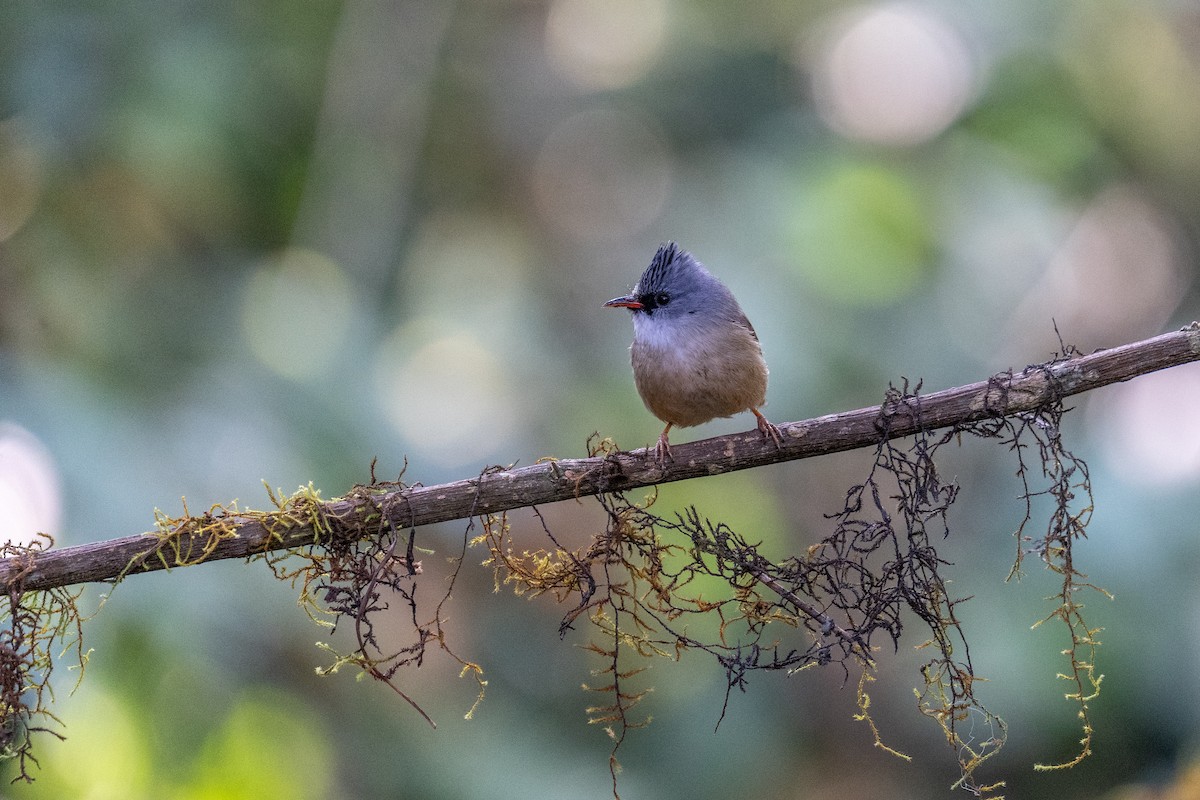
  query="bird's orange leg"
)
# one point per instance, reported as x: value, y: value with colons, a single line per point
x: 769, y: 430
x: 662, y: 450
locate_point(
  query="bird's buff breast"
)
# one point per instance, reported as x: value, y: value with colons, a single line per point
x: 697, y: 376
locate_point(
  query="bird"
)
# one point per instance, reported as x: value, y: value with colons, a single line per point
x: 695, y: 355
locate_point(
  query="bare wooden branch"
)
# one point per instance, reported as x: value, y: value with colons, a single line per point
x: 549, y: 481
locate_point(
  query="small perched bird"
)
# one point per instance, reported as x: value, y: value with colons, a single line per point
x: 695, y: 355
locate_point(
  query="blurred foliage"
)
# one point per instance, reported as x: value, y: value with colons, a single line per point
x: 272, y: 241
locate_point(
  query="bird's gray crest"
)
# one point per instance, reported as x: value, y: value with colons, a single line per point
x: 669, y: 264
x: 689, y: 286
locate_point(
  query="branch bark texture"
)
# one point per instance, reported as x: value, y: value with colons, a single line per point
x: 496, y: 490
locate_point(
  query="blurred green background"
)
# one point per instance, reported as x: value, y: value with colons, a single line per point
x: 272, y: 241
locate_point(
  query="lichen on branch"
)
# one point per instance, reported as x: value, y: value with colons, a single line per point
x: 36, y: 629
x: 637, y: 583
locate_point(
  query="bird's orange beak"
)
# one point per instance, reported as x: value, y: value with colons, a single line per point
x: 624, y: 302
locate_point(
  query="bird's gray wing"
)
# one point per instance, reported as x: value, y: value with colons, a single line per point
x: 745, y: 323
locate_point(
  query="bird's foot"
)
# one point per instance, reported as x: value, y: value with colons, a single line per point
x: 768, y: 429
x: 662, y: 450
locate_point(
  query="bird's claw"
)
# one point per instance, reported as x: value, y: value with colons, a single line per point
x: 662, y: 451
x: 768, y: 429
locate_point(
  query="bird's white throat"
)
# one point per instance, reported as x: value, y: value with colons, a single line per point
x: 675, y: 337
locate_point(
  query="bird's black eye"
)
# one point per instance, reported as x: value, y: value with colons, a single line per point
x: 661, y: 299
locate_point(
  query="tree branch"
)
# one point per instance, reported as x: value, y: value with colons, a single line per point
x: 497, y: 489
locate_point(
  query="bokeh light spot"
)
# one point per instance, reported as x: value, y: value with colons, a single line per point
x: 1151, y: 428
x: 122, y: 768
x: 892, y: 74
x: 233, y: 762
x: 474, y: 269
x: 603, y: 174
x: 605, y: 44
x: 1117, y: 276
x: 295, y: 313
x: 30, y: 488
x: 861, y: 236
x: 445, y: 392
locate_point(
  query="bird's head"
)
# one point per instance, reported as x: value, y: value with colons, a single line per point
x: 675, y: 286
